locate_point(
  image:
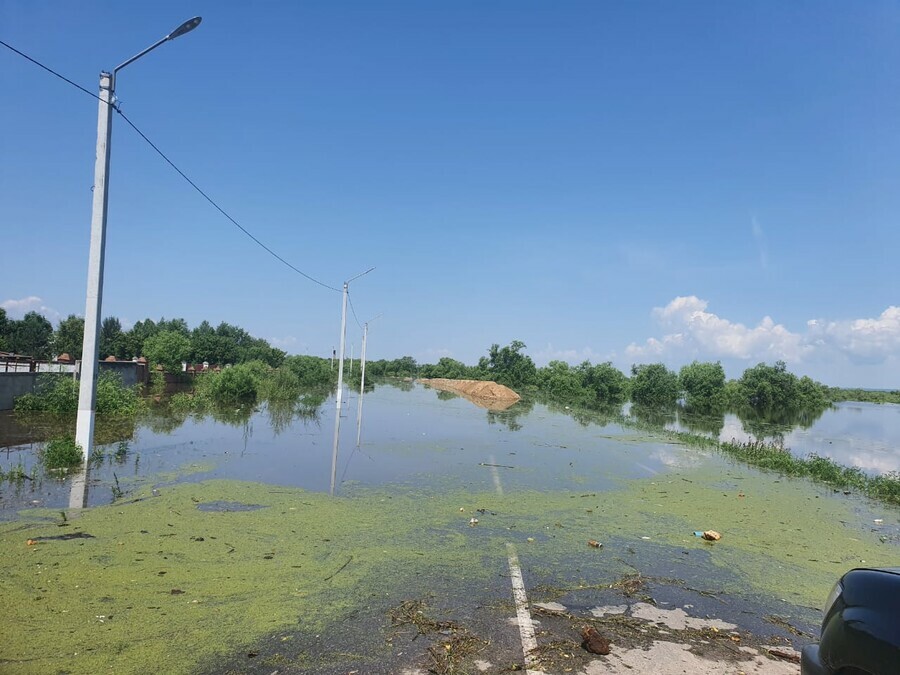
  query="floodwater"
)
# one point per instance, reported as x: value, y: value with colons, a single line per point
x: 411, y: 435
x: 864, y: 435
x: 215, y: 545
x: 415, y: 435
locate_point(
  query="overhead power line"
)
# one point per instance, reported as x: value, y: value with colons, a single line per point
x: 353, y: 310
x: 175, y: 167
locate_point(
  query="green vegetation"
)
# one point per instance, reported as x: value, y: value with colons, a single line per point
x: 296, y: 389
x: 773, y: 388
x: 508, y: 365
x: 58, y: 394
x: 653, y: 386
x: 68, y: 338
x: 167, y: 348
x: 30, y: 335
x: 865, y: 395
x: 703, y: 385
x: 61, y: 453
x: 16, y: 474
x: 774, y: 457
x: 164, y: 342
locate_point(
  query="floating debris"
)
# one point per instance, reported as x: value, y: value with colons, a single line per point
x: 593, y: 641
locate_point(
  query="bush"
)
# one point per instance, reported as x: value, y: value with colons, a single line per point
x: 312, y: 371
x: 238, y: 384
x: 654, y: 386
x: 62, y: 453
x: 282, y: 385
x: 59, y: 394
x: 703, y: 385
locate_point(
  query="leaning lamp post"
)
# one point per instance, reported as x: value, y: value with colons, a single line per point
x: 87, y: 393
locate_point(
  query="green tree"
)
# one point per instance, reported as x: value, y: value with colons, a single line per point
x: 509, y: 366
x: 168, y: 349
x: 173, y: 326
x: 135, y: 338
x: 703, y: 385
x: 4, y: 328
x: 69, y: 337
x: 31, y: 336
x: 606, y: 384
x: 775, y: 390
x: 446, y: 367
x: 312, y: 371
x: 560, y: 381
x: 653, y: 385
x: 112, y: 339
x: 405, y: 365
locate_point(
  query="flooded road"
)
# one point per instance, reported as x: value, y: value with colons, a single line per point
x: 457, y: 541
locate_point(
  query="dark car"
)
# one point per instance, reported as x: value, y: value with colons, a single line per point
x: 861, y: 629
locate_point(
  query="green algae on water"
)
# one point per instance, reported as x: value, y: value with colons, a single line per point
x: 166, y: 585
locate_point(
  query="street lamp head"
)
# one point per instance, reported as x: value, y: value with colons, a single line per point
x: 186, y: 27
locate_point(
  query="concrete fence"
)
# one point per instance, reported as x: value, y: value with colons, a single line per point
x: 14, y: 384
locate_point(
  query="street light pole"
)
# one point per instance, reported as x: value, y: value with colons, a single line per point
x: 341, y: 357
x: 344, y: 338
x: 87, y: 392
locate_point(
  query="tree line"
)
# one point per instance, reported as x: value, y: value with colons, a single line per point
x: 699, y: 386
x: 167, y: 342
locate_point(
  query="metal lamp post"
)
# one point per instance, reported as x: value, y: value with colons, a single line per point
x: 87, y: 393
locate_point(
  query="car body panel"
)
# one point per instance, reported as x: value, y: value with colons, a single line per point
x: 861, y: 629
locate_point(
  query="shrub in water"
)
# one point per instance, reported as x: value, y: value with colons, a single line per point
x: 59, y: 394
x: 62, y: 453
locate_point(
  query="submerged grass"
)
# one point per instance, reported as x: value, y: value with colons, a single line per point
x: 773, y: 456
x: 61, y: 453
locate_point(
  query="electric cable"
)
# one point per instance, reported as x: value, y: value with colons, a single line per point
x: 175, y: 167
x: 350, y: 300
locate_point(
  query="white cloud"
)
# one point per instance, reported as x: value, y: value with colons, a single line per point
x: 19, y: 308
x: 571, y: 356
x: 695, y: 329
x: 871, y: 340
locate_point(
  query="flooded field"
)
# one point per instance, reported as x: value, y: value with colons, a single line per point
x: 456, y: 540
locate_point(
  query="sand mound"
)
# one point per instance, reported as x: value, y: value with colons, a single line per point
x: 475, y: 389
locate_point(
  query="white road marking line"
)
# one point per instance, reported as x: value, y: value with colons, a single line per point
x: 496, y: 475
x: 523, y: 615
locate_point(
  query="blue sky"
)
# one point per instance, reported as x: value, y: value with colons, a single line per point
x: 629, y: 181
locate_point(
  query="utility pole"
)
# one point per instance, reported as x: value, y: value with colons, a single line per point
x: 87, y: 389
x: 344, y: 336
x: 362, y: 383
x: 341, y: 358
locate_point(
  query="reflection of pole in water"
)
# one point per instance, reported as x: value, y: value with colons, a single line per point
x: 334, y: 453
x: 78, y: 494
x: 362, y: 384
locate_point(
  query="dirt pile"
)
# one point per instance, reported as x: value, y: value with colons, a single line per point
x: 485, y: 394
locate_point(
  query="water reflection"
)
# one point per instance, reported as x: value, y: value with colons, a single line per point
x: 19, y: 428
x: 700, y: 422
x: 599, y: 416
x: 776, y: 425
x: 509, y: 416
x: 78, y: 494
x: 417, y: 433
x: 654, y: 417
